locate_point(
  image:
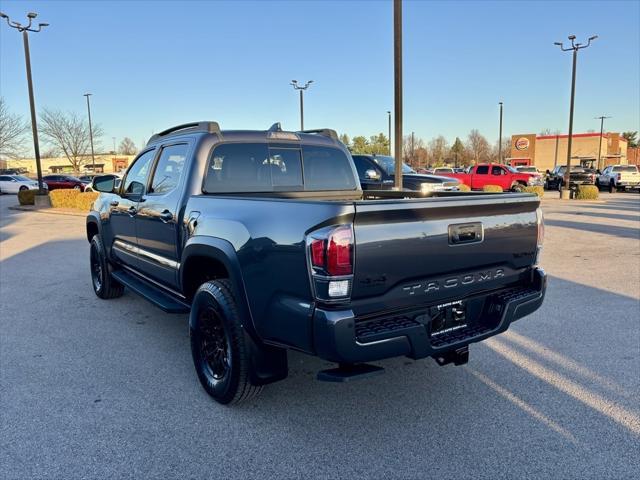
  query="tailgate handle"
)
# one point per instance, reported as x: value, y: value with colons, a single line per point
x: 465, y: 233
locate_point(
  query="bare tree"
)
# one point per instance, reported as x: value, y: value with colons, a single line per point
x: 478, y: 146
x: 12, y: 131
x: 438, y: 147
x: 506, y: 149
x: 410, y: 146
x: 70, y: 134
x: 50, y: 152
x: 127, y: 147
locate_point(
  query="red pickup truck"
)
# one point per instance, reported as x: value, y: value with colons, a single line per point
x: 496, y: 174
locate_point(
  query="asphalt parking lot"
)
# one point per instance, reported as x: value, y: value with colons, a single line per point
x: 98, y: 389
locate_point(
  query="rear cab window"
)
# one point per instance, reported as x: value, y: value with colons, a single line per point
x: 258, y: 167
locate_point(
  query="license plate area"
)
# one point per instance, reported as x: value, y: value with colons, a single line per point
x: 459, y: 320
x: 447, y: 318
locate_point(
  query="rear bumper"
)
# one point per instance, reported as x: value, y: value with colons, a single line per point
x: 339, y: 337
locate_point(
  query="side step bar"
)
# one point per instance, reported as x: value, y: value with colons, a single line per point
x: 348, y: 372
x: 152, y: 293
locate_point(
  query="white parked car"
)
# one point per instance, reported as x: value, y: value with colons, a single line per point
x: 16, y: 183
x: 619, y: 177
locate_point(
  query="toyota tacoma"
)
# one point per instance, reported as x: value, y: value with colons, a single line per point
x: 267, y: 241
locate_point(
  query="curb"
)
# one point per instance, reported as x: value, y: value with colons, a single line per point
x: 53, y: 211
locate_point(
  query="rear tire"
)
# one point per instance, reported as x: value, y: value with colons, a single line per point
x: 220, y: 354
x: 612, y: 187
x: 104, y: 285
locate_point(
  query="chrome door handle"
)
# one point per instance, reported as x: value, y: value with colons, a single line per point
x: 132, y: 211
x: 114, y: 203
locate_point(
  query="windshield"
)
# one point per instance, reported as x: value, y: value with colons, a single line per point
x: 630, y: 168
x: 21, y: 178
x: 389, y: 164
x: 527, y: 169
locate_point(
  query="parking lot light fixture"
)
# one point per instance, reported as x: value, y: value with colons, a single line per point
x: 573, y: 48
x: 25, y: 29
x: 93, y: 157
x: 301, y: 89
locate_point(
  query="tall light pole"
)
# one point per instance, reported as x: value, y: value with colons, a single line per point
x: 24, y: 29
x: 114, y: 144
x: 602, y: 118
x: 301, y: 88
x: 93, y: 157
x: 574, y: 48
x: 500, y: 136
x: 389, y: 115
x: 397, y: 87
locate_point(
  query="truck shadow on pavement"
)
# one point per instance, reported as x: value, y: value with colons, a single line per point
x: 556, y: 384
x: 617, y: 231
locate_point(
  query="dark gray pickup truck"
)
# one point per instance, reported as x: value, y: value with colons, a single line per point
x: 266, y: 239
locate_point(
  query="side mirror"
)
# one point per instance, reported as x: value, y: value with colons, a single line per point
x: 598, y: 172
x: 371, y: 175
x: 548, y: 172
x: 104, y: 183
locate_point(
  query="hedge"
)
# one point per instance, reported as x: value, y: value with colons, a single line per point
x: 26, y: 197
x: 538, y: 190
x: 492, y: 188
x: 587, y: 192
x: 68, y: 198
x: 464, y: 188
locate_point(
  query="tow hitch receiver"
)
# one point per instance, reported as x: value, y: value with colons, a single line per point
x: 457, y: 357
x: 346, y: 372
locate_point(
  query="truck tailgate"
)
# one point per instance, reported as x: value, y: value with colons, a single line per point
x: 411, y: 252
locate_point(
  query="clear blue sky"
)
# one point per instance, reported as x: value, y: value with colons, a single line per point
x: 151, y: 65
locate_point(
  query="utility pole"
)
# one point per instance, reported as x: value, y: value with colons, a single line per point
x: 301, y: 88
x: 397, y: 83
x: 500, y: 137
x: 602, y: 118
x: 574, y: 48
x: 24, y: 29
x: 389, y: 115
x: 413, y: 150
x: 114, y: 145
x: 93, y: 157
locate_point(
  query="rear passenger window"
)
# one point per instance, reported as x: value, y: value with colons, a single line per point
x: 169, y: 168
x: 327, y: 168
x: 246, y: 167
x: 483, y: 170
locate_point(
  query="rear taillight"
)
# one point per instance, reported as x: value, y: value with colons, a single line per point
x: 331, y: 252
x: 619, y: 176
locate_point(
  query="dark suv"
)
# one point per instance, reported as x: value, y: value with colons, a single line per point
x: 267, y: 240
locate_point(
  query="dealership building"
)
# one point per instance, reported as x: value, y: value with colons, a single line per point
x: 547, y: 151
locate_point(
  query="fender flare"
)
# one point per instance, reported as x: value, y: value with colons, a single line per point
x: 269, y: 364
x: 93, y: 218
